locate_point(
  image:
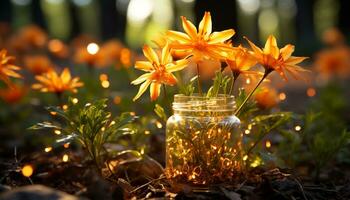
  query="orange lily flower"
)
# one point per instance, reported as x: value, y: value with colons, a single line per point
x: 159, y: 71
x: 13, y: 93
x: 274, y: 59
x: 52, y: 82
x: 241, y: 62
x: 202, y: 44
x: 7, y: 68
x: 38, y: 64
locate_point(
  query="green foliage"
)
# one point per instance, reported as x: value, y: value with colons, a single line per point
x: 249, y: 108
x: 91, y: 125
x: 188, y: 88
x: 220, y: 82
x: 160, y: 112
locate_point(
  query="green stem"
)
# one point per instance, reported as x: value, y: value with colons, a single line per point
x: 199, y: 82
x: 234, y: 78
x: 267, y: 72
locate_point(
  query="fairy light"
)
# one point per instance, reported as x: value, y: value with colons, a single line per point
x: 112, y: 123
x: 65, y: 107
x: 297, y: 128
x: 66, y: 145
x: 75, y: 100
x: 147, y: 132
x: 27, y: 170
x: 311, y: 92
x: 105, y: 84
x: 282, y: 96
x: 268, y: 144
x: 92, y: 48
x: 247, y: 131
x: 57, y: 132
x: 132, y: 113
x: 103, y: 77
x: 117, y: 100
x: 53, y: 113
x: 48, y: 149
x: 247, y: 81
x: 159, y: 125
x: 103, y: 129
x: 245, y: 157
x: 65, y: 158
x: 142, y: 151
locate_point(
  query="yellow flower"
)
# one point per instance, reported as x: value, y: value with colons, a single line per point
x: 159, y: 71
x: 274, y: 59
x: 52, y: 82
x: 7, y: 68
x: 202, y: 44
x: 241, y: 62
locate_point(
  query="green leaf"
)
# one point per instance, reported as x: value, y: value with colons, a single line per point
x: 160, y: 112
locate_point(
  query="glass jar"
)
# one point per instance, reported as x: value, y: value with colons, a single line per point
x: 203, y: 140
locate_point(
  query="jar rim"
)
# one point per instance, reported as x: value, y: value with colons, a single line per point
x: 199, y: 103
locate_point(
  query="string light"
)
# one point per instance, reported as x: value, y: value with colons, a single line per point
x: 57, y: 132
x: 53, y: 113
x: 245, y: 157
x: 65, y: 107
x: 75, y: 100
x: 282, y: 96
x: 159, y: 125
x: 103, y: 77
x: 27, y: 170
x: 297, y: 128
x: 48, y: 149
x: 247, y: 81
x: 147, y: 132
x: 247, y: 131
x: 105, y: 84
x: 311, y: 92
x: 65, y: 158
x: 66, y: 145
x: 92, y: 48
x: 268, y: 144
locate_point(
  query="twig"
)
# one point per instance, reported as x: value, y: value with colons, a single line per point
x: 146, y: 184
x: 301, y: 188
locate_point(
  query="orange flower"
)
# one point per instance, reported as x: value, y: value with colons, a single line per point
x: 13, y: 93
x: 33, y: 36
x: 333, y: 36
x: 159, y: 71
x: 202, y: 44
x: 52, y: 82
x: 274, y: 59
x: 7, y: 68
x: 333, y: 62
x: 266, y: 98
x: 38, y: 64
x: 241, y: 62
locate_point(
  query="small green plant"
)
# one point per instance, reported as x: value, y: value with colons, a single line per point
x: 91, y: 125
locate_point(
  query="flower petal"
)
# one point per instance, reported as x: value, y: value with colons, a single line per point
x: 287, y: 51
x: 189, y: 28
x: 178, y: 36
x: 165, y: 54
x: 65, y: 75
x: 155, y: 90
x: 141, y: 79
x: 271, y: 47
x: 169, y: 79
x: 179, y: 65
x: 256, y: 49
x: 205, y: 25
x: 150, y: 54
x: 221, y: 36
x: 144, y: 66
x: 142, y: 89
x: 293, y: 60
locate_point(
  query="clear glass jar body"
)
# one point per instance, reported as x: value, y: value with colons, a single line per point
x: 203, y: 140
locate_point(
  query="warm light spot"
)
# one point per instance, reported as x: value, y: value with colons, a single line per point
x: 103, y: 77
x: 105, y: 84
x: 247, y: 131
x: 75, y: 100
x: 53, y: 113
x: 159, y: 125
x: 132, y: 113
x: 57, y: 132
x: 311, y: 92
x: 65, y: 158
x: 65, y: 107
x: 142, y: 151
x: 88, y: 104
x: 27, y: 170
x: 247, y: 81
x: 66, y: 145
x: 245, y: 157
x: 103, y: 129
x: 112, y: 123
x: 125, y: 57
x: 250, y: 126
x: 55, y: 45
x: 297, y: 128
x: 92, y: 48
x: 48, y: 149
x: 147, y: 132
x: 268, y: 144
x: 117, y: 100
x: 282, y: 96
